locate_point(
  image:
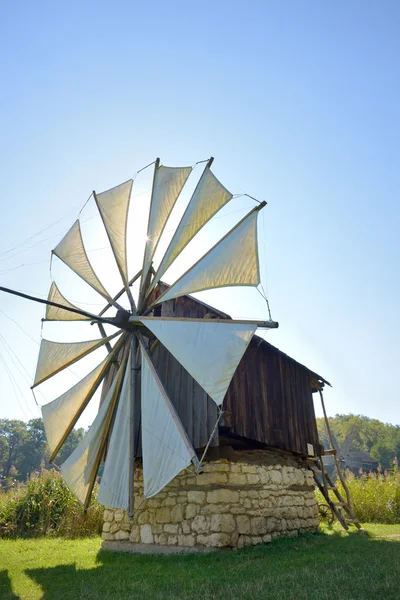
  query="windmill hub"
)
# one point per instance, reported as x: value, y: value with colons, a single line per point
x: 122, y: 319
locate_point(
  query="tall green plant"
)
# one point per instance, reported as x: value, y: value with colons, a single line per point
x: 45, y: 506
x: 375, y: 496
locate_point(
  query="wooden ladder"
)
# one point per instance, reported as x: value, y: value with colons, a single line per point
x: 341, y: 507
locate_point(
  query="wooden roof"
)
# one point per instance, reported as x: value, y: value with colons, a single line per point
x: 223, y: 315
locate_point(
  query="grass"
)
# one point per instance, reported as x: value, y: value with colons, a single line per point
x: 323, y: 566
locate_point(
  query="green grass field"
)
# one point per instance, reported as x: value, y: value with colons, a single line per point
x: 330, y: 566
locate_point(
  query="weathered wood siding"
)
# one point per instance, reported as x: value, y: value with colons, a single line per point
x: 269, y: 399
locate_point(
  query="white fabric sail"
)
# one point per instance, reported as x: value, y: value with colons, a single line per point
x: 210, y: 352
x: 79, y: 470
x: 72, y: 252
x: 165, y: 446
x: 115, y: 479
x: 61, y: 413
x: 168, y: 184
x: 113, y: 206
x: 56, y: 356
x: 59, y: 314
x: 208, y: 198
x: 232, y: 261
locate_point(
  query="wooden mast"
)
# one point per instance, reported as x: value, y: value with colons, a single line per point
x: 132, y: 437
x: 143, y: 279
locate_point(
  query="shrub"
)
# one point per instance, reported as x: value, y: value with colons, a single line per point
x: 375, y: 496
x: 45, y: 506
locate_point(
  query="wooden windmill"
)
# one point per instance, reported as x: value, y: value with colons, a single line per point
x: 136, y: 408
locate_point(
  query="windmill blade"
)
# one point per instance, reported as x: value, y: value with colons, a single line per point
x: 56, y: 356
x: 167, y: 185
x: 208, y: 198
x: 72, y: 252
x: 209, y: 351
x: 60, y: 415
x: 54, y: 313
x: 232, y: 261
x: 113, y: 207
x: 166, y: 448
x: 80, y: 468
x: 114, y: 490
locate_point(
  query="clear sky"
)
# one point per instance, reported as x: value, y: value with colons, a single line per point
x: 299, y: 104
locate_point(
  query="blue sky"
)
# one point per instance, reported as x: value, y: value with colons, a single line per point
x: 299, y: 104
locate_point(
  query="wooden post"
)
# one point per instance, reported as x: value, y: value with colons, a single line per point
x: 104, y: 335
x: 132, y: 441
x: 78, y: 311
x: 335, y: 457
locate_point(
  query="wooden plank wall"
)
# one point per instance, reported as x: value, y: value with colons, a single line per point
x: 269, y: 399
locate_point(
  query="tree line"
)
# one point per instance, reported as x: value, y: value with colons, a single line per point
x: 379, y: 440
x: 24, y: 449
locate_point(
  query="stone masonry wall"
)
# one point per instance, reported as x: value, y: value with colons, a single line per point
x: 234, y: 503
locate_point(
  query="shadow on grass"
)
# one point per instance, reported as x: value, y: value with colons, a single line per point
x: 306, y: 568
x: 6, y: 592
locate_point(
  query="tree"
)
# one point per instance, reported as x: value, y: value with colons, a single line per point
x: 13, y: 434
x: 24, y: 447
x: 383, y: 454
x: 34, y: 449
x: 380, y: 440
x: 72, y: 441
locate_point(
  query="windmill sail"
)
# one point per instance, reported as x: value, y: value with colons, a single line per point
x: 114, y: 487
x: 168, y: 184
x: 113, y: 206
x: 165, y: 446
x: 208, y: 198
x: 210, y: 352
x: 232, y: 261
x: 56, y: 356
x: 80, y: 469
x: 54, y: 313
x: 60, y: 415
x: 72, y: 252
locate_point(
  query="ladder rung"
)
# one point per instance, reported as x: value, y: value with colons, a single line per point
x: 318, y: 471
x: 351, y: 520
x: 332, y: 488
x: 330, y: 451
x: 339, y: 503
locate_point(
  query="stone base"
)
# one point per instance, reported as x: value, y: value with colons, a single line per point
x: 249, y: 499
x: 132, y: 548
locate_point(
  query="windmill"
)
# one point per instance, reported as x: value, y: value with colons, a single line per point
x: 136, y: 407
